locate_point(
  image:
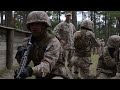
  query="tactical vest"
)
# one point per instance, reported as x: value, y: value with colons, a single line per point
x: 37, y: 51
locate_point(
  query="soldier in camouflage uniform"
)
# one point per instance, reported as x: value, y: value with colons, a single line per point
x: 101, y: 48
x: 45, y: 51
x: 84, y: 40
x: 64, y: 32
x: 97, y: 48
x: 108, y: 64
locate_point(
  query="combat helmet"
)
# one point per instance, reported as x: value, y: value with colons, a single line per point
x: 113, y: 41
x: 68, y: 13
x: 87, y: 24
x: 38, y: 16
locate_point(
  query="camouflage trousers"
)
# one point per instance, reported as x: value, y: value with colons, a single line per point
x: 81, y: 66
x: 103, y: 76
x: 68, y: 55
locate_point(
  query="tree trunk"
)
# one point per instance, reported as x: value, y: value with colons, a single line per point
x: 94, y: 22
x: 27, y: 12
x: 99, y: 25
x: 59, y: 14
x: 1, y: 17
x: 105, y: 27
x: 109, y: 27
x: 21, y: 22
x: 74, y: 18
x: 24, y: 21
x: 118, y: 25
x: 91, y: 15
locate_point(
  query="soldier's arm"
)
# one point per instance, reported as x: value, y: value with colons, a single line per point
x: 57, y: 31
x: 51, y: 56
x: 108, y: 60
x: 94, y: 41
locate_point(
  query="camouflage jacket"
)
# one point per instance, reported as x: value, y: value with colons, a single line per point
x: 45, y: 55
x: 64, y: 32
x: 87, y: 49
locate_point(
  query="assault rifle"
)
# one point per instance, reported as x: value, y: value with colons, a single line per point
x: 24, y: 59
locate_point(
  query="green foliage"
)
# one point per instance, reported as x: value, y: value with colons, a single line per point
x: 113, y: 13
x: 111, y: 19
x: 54, y: 18
x: 101, y: 28
x: 20, y: 17
x: 49, y: 13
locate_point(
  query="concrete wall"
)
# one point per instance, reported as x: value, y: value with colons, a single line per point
x: 18, y: 38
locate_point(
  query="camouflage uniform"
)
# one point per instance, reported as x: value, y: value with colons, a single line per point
x: 108, y: 64
x: 97, y: 48
x: 101, y: 48
x: 45, y: 51
x: 82, y: 56
x: 64, y: 32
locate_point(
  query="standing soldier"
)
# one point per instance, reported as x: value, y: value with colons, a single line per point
x: 84, y: 40
x: 64, y: 32
x: 101, y: 48
x: 97, y: 48
x: 45, y: 50
x: 108, y: 64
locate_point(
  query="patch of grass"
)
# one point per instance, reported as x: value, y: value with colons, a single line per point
x: 33, y: 77
x: 2, y: 71
x: 94, y: 65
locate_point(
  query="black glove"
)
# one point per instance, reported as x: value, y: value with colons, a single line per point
x: 20, y: 53
x: 27, y: 72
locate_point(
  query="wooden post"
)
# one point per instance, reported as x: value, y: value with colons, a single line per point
x: 10, y: 40
x: 10, y: 37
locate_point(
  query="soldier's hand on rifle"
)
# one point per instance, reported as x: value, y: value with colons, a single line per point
x: 27, y: 72
x: 20, y: 53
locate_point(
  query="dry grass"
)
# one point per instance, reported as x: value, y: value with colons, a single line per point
x: 94, y: 65
x: 4, y: 72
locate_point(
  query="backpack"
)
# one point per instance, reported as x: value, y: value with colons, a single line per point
x: 82, y: 40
